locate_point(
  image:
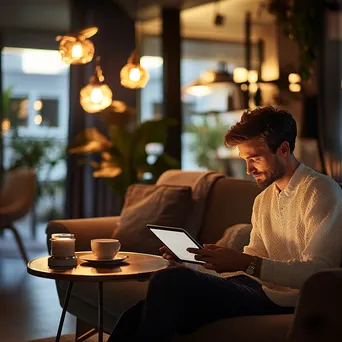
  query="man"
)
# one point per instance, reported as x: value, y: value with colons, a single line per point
x: 297, y: 231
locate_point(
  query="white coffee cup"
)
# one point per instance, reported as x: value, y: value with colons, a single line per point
x: 105, y: 248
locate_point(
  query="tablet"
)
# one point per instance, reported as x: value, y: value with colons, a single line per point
x: 177, y: 240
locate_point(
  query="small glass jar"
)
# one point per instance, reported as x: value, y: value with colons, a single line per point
x: 62, y: 245
x: 62, y: 250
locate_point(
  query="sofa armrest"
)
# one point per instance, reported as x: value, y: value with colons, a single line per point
x: 83, y: 229
x: 318, y: 315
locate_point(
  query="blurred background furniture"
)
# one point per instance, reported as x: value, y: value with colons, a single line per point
x: 16, y: 199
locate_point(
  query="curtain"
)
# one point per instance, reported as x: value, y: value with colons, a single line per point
x: 330, y: 95
x: 86, y: 196
x: 1, y: 117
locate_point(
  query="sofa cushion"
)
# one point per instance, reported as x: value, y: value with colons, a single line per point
x: 165, y: 205
x: 230, y: 202
x: 236, y: 236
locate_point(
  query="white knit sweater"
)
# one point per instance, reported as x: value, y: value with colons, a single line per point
x: 297, y: 232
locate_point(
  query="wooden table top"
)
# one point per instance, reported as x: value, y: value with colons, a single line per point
x: 137, y: 266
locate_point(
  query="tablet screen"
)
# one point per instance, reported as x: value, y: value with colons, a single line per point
x: 177, y: 241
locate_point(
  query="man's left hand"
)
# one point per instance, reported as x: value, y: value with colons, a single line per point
x: 221, y: 259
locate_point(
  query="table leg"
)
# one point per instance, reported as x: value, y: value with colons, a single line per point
x: 65, y: 306
x: 100, y: 311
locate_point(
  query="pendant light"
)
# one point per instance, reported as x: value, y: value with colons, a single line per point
x: 133, y: 75
x: 211, y: 79
x: 76, y: 48
x: 96, y: 96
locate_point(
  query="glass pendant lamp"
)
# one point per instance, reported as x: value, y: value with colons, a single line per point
x: 76, y: 48
x: 96, y: 96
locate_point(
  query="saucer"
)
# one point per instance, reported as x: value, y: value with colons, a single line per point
x: 91, y: 258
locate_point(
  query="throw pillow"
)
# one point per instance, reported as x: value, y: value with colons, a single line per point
x: 236, y: 236
x: 162, y: 205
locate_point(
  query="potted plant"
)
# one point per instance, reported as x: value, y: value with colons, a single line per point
x: 120, y: 153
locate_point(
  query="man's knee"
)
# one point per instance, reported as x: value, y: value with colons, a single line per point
x: 173, y: 278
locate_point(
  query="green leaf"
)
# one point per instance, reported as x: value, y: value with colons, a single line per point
x: 121, y: 140
x: 154, y: 131
x: 6, y: 96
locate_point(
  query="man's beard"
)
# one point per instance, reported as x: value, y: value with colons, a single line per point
x: 275, y: 173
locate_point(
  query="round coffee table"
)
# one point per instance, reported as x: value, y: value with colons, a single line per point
x: 138, y: 266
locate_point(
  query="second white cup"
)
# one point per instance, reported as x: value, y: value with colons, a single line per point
x: 105, y: 248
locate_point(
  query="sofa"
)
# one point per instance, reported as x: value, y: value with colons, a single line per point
x: 229, y: 202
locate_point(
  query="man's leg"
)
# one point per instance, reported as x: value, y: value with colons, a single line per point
x: 181, y: 299
x: 126, y: 327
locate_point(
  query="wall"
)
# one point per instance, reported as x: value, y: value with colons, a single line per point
x: 40, y: 15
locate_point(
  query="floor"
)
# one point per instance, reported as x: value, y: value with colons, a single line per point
x: 29, y: 305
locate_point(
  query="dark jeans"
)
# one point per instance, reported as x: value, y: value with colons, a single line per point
x: 180, y: 300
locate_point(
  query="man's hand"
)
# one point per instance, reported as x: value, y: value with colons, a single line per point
x: 170, y: 257
x: 221, y: 259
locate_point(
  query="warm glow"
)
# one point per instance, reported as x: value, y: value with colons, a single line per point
x: 96, y: 95
x: 294, y: 78
x: 295, y: 87
x: 244, y: 87
x: 77, y: 51
x: 108, y: 171
x: 95, y: 98
x: 134, y: 74
x: 253, y: 87
x: 38, y: 105
x: 23, y: 109
x: 208, y: 76
x: 240, y: 75
x: 76, y: 48
x: 252, y: 76
x: 119, y: 106
x: 151, y: 62
x: 38, y: 119
x: 198, y: 90
x: 5, y: 125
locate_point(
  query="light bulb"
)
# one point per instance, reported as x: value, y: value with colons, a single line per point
x: 38, y: 105
x: 253, y: 87
x: 295, y: 87
x: 77, y: 51
x: 240, y: 75
x: 38, y: 119
x: 252, y: 76
x: 5, y: 125
x: 294, y: 78
x: 96, y: 95
x: 134, y: 74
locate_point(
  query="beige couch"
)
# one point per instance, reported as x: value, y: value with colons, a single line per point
x: 230, y: 202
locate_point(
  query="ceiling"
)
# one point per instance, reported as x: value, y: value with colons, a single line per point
x: 198, y: 22
x: 150, y: 9
x: 232, y: 9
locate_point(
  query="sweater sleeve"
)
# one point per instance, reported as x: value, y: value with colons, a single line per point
x: 323, y: 238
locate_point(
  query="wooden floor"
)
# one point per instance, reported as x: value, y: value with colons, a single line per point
x: 29, y: 305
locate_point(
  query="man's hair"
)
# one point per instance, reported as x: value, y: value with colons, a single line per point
x: 273, y: 126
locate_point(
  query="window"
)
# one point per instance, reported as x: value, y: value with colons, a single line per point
x: 198, y: 57
x: 38, y: 86
x: 47, y: 112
